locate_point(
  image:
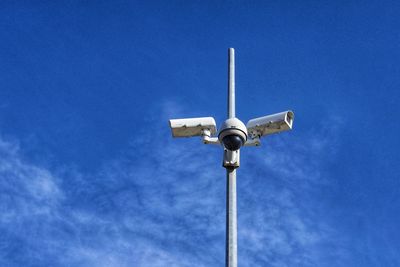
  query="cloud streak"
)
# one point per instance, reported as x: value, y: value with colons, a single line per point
x: 283, y: 183
x: 165, y: 206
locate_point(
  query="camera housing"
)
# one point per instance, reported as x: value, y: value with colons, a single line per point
x: 270, y: 124
x: 192, y: 126
x: 233, y: 134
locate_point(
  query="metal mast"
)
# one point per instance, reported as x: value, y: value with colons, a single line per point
x: 231, y: 206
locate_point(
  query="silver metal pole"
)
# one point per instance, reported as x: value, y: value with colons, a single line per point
x: 231, y: 84
x: 231, y: 219
x: 231, y: 207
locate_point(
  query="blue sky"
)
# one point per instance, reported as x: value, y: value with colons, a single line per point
x: 89, y: 172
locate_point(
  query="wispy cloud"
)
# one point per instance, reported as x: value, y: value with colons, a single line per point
x: 283, y: 184
x: 164, y: 206
x: 26, y: 190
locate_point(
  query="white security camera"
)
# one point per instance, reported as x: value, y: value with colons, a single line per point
x: 270, y: 124
x: 233, y: 134
x: 193, y: 127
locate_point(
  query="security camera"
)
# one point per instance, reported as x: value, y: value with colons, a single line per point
x: 233, y: 134
x: 193, y: 127
x: 270, y: 124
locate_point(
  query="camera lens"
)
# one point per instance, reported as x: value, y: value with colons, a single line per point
x: 232, y: 142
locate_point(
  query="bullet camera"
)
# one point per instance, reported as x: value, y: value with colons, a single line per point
x: 233, y: 134
x: 192, y: 126
x: 270, y: 124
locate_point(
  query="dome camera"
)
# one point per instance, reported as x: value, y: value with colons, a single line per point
x: 233, y: 134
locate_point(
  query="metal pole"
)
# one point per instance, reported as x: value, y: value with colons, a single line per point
x: 231, y: 207
x: 231, y: 219
x: 231, y: 84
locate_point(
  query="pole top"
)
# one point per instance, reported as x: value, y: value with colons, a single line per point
x: 231, y: 83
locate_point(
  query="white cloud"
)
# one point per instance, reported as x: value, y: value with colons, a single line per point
x: 286, y: 228
x: 26, y: 190
x: 164, y: 206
